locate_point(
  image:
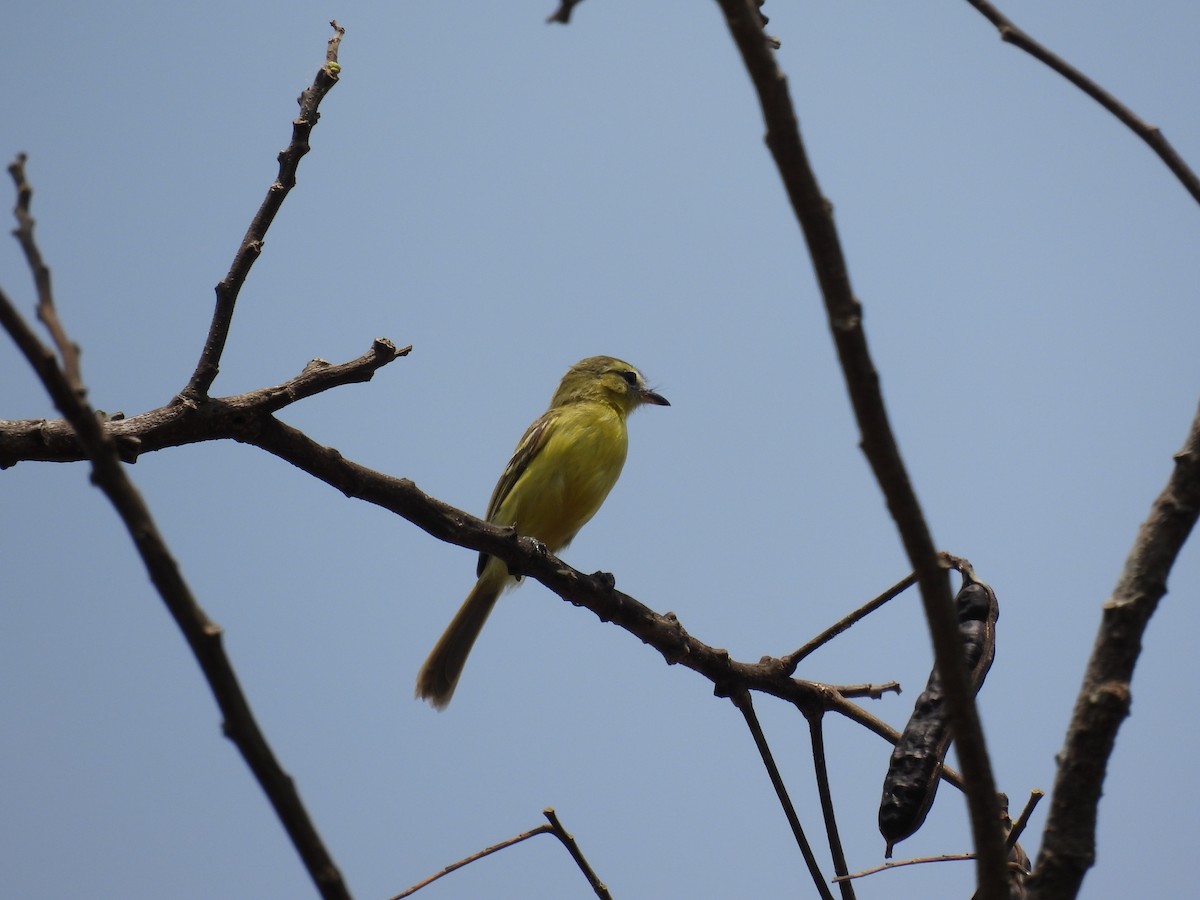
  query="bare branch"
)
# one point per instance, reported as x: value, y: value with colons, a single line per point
x: 202, y: 634
x: 868, y: 689
x: 1019, y: 826
x: 185, y: 422
x: 915, y: 861
x: 1069, y: 841
x: 526, y: 557
x: 252, y: 244
x: 814, y: 213
x: 568, y: 841
x: 467, y: 860
x: 741, y: 699
x: 792, y: 660
x: 555, y: 827
x: 816, y: 732
x: 46, y: 312
x: 246, y: 418
x: 1011, y: 34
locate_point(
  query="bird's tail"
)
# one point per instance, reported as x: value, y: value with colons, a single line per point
x: 439, y: 676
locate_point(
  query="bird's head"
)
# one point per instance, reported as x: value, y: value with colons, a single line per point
x: 608, y: 380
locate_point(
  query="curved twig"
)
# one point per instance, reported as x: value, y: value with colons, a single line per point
x: 474, y: 857
x: 1011, y: 34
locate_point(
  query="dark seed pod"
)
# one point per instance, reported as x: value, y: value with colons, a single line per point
x: 915, y: 767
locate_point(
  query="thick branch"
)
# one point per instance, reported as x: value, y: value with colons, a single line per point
x: 814, y: 213
x: 595, y: 592
x: 252, y: 244
x: 1069, y: 845
x: 247, y: 418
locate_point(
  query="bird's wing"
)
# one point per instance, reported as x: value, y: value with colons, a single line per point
x: 528, y: 447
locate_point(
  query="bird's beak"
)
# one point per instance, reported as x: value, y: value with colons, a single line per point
x: 649, y: 396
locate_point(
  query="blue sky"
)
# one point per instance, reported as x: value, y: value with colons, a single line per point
x: 510, y: 197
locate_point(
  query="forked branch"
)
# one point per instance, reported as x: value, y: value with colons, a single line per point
x: 554, y: 826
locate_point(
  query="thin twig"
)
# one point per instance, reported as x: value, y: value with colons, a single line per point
x: 947, y: 560
x: 816, y: 731
x: 46, y: 312
x: 1015, y: 869
x: 487, y: 851
x: 555, y: 827
x: 815, y: 216
x: 1069, y: 838
x: 202, y: 634
x: 867, y: 689
x: 568, y: 841
x: 793, y: 659
x: 1153, y: 137
x: 251, y: 247
x: 1019, y: 826
x: 1018, y: 860
x: 900, y: 863
x: 741, y: 699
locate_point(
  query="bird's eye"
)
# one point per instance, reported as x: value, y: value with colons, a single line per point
x: 630, y: 377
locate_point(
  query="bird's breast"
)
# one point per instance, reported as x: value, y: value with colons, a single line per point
x: 566, y: 483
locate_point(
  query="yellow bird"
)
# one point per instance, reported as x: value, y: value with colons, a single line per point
x: 560, y: 473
